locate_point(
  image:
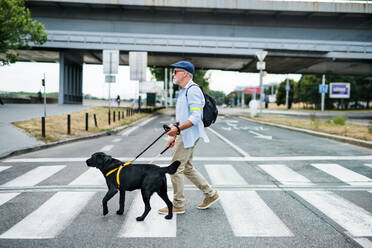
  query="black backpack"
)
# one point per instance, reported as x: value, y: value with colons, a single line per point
x: 210, y: 111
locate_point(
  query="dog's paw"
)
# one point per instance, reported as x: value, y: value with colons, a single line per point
x: 140, y: 218
x: 105, y: 211
x: 119, y: 212
x: 168, y: 217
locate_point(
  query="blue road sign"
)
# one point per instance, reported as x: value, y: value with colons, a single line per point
x: 339, y: 90
x: 323, y: 88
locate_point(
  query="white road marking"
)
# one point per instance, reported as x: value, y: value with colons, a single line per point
x: 224, y: 174
x: 239, y: 150
x: 50, y: 218
x: 2, y: 168
x: 155, y: 225
x: 369, y: 165
x: 54, y: 215
x: 216, y: 158
x: 364, y: 242
x: 92, y: 176
x: 261, y: 136
x: 116, y: 140
x: 34, y: 176
x: 348, y: 176
x: 249, y: 216
x: 129, y: 131
x: 353, y: 218
x: 107, y: 148
x: 285, y: 175
x: 4, y: 197
x: 147, y: 121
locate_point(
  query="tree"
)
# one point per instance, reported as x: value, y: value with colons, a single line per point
x: 281, y: 94
x: 219, y: 96
x: 17, y: 29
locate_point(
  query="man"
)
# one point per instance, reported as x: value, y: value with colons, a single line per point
x: 184, y: 136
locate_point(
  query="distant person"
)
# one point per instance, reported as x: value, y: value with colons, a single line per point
x: 39, y: 96
x: 118, y: 100
x: 1, y: 101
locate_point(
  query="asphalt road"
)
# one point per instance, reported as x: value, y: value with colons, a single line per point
x: 278, y: 188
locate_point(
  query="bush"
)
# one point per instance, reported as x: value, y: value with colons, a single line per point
x: 370, y: 130
x: 339, y: 120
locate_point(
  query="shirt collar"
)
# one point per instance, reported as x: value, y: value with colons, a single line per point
x: 188, y: 84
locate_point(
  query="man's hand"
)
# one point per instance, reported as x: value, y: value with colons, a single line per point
x: 173, y: 131
x: 171, y: 141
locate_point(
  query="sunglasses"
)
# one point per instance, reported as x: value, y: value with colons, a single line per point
x: 175, y: 71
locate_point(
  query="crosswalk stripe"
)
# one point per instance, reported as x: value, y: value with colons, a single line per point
x: 34, y: 176
x: 224, y: 174
x: 353, y: 218
x: 50, y: 218
x: 364, y: 242
x: 2, y: 168
x: 249, y: 216
x: 116, y: 140
x: 92, y: 176
x: 369, y: 165
x: 4, y: 197
x: 348, y: 176
x: 155, y: 225
x: 285, y: 175
x: 106, y: 148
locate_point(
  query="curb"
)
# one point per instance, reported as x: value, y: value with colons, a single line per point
x: 45, y: 146
x: 353, y: 141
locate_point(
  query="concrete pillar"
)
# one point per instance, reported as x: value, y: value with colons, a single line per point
x: 70, y: 77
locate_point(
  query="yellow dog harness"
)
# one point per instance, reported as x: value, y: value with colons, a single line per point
x: 118, y: 173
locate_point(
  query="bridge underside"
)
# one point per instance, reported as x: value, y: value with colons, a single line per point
x: 274, y: 64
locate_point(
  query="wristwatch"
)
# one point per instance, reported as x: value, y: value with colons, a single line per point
x: 178, y: 129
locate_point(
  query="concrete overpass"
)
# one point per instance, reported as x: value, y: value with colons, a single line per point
x: 332, y: 37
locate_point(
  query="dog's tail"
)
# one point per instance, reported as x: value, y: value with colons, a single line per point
x: 171, y: 169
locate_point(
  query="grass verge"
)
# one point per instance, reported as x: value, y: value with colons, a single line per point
x: 327, y: 126
x: 56, y: 126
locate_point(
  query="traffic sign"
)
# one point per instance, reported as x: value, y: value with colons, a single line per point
x: 287, y: 87
x: 323, y: 88
x: 339, y: 90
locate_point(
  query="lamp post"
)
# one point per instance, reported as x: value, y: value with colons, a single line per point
x: 261, y: 54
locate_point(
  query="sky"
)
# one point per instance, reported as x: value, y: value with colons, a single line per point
x: 26, y: 76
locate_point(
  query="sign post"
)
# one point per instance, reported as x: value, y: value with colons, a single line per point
x: 110, y: 67
x: 287, y: 89
x: 261, y: 54
x: 323, y: 89
x: 138, y: 66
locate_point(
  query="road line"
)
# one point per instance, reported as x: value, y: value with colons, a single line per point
x: 285, y: 175
x: 107, y: 148
x: 129, y: 131
x: 364, y: 242
x: 348, y: 176
x: 92, y: 176
x: 155, y: 225
x: 34, y: 176
x: 116, y: 140
x: 239, y: 150
x: 147, y: 121
x: 224, y: 174
x: 216, y: 158
x: 369, y: 165
x: 249, y: 216
x: 50, y: 218
x: 351, y: 217
x: 2, y: 168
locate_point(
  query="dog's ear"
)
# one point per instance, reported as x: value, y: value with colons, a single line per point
x: 107, y: 159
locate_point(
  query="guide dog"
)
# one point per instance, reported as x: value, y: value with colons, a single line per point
x: 149, y: 178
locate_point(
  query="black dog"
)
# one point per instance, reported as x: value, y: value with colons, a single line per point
x: 147, y: 177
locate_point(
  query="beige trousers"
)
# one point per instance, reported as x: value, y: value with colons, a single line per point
x: 185, y: 155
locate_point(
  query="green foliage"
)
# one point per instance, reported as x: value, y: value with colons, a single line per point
x: 339, y: 120
x: 370, y: 129
x: 17, y: 29
x: 281, y: 94
x: 219, y: 96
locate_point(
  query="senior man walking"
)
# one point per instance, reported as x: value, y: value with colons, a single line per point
x: 184, y: 136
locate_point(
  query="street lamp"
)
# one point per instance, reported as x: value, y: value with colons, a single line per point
x: 261, y: 54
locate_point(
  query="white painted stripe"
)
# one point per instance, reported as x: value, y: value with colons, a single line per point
x: 364, y: 242
x: 353, y: 218
x: 34, y: 176
x: 107, y: 148
x: 50, y: 218
x: 147, y: 121
x: 239, y: 150
x: 224, y: 174
x: 4, y: 197
x: 155, y: 225
x: 369, y: 165
x: 92, y: 176
x: 285, y: 175
x: 116, y: 140
x: 2, y: 168
x: 249, y: 216
x: 216, y: 158
x: 129, y: 131
x: 348, y: 176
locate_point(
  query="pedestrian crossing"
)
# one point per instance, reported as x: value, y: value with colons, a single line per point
x: 249, y: 215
